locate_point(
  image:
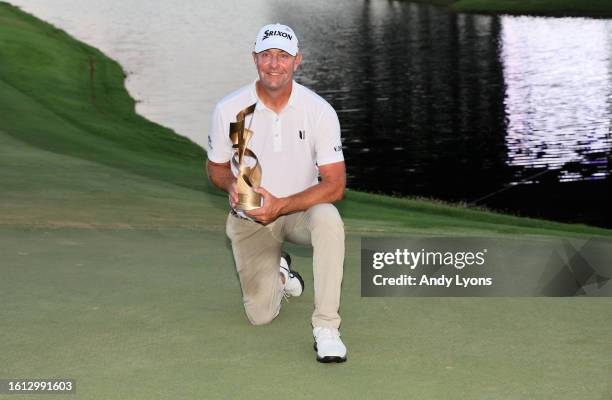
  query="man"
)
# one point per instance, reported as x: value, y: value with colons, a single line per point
x: 297, y: 142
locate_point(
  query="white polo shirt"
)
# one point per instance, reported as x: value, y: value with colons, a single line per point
x: 289, y: 145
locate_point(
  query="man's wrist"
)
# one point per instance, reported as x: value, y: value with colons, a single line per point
x: 228, y: 184
x: 285, y: 207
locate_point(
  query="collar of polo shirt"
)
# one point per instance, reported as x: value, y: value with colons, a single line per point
x: 260, y: 104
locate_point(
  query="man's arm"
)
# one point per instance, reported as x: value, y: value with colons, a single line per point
x: 329, y: 190
x: 222, y: 177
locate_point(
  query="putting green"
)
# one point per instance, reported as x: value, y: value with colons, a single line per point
x: 116, y: 272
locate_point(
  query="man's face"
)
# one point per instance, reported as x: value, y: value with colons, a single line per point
x: 275, y: 68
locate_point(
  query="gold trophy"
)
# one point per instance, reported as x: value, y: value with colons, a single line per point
x: 249, y: 177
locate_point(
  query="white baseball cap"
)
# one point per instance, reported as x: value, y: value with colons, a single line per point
x: 276, y: 36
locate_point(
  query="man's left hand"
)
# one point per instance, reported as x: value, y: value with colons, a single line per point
x: 271, y: 209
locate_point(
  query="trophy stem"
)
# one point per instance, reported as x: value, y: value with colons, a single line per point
x: 248, y: 177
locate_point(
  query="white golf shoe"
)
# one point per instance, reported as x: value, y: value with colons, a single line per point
x: 294, y: 284
x: 328, y: 345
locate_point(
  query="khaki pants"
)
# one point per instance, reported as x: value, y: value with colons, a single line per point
x: 257, y: 250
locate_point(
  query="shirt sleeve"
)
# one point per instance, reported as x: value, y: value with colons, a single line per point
x: 328, y: 144
x: 219, y: 147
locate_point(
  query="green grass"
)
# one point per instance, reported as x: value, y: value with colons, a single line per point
x: 115, y: 268
x: 63, y: 96
x: 577, y: 8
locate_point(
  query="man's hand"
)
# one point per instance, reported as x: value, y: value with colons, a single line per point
x: 221, y: 176
x: 329, y: 190
x: 271, y: 209
x: 233, y: 194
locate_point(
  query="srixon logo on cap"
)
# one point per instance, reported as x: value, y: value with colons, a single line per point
x: 269, y: 33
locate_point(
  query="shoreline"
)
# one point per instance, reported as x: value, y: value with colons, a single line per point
x: 79, y: 107
x: 117, y: 272
x: 541, y: 8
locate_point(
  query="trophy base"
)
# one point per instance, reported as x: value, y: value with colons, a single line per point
x: 246, y: 207
x: 248, y: 202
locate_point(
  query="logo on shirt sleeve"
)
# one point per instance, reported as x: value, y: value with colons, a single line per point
x: 210, y: 146
x: 338, y: 148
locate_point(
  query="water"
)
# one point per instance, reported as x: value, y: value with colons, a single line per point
x: 513, y: 113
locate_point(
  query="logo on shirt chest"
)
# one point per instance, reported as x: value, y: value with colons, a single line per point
x: 302, y: 135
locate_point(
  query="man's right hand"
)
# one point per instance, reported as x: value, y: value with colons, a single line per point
x: 233, y: 194
x: 221, y: 176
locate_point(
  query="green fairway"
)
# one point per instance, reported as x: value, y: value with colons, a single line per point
x: 558, y: 8
x: 116, y: 271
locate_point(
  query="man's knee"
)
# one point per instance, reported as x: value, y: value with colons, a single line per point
x: 327, y: 218
x: 260, y: 315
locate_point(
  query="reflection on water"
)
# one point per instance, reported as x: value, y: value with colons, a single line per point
x: 419, y: 93
x: 452, y: 106
x: 558, y: 96
x: 457, y: 107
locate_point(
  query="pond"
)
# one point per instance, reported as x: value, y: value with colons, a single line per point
x: 510, y: 113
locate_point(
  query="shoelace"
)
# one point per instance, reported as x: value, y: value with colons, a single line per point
x: 289, y: 276
x: 327, y: 334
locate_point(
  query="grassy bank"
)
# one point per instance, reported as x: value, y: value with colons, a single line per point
x: 66, y: 97
x: 116, y: 271
x: 557, y: 8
